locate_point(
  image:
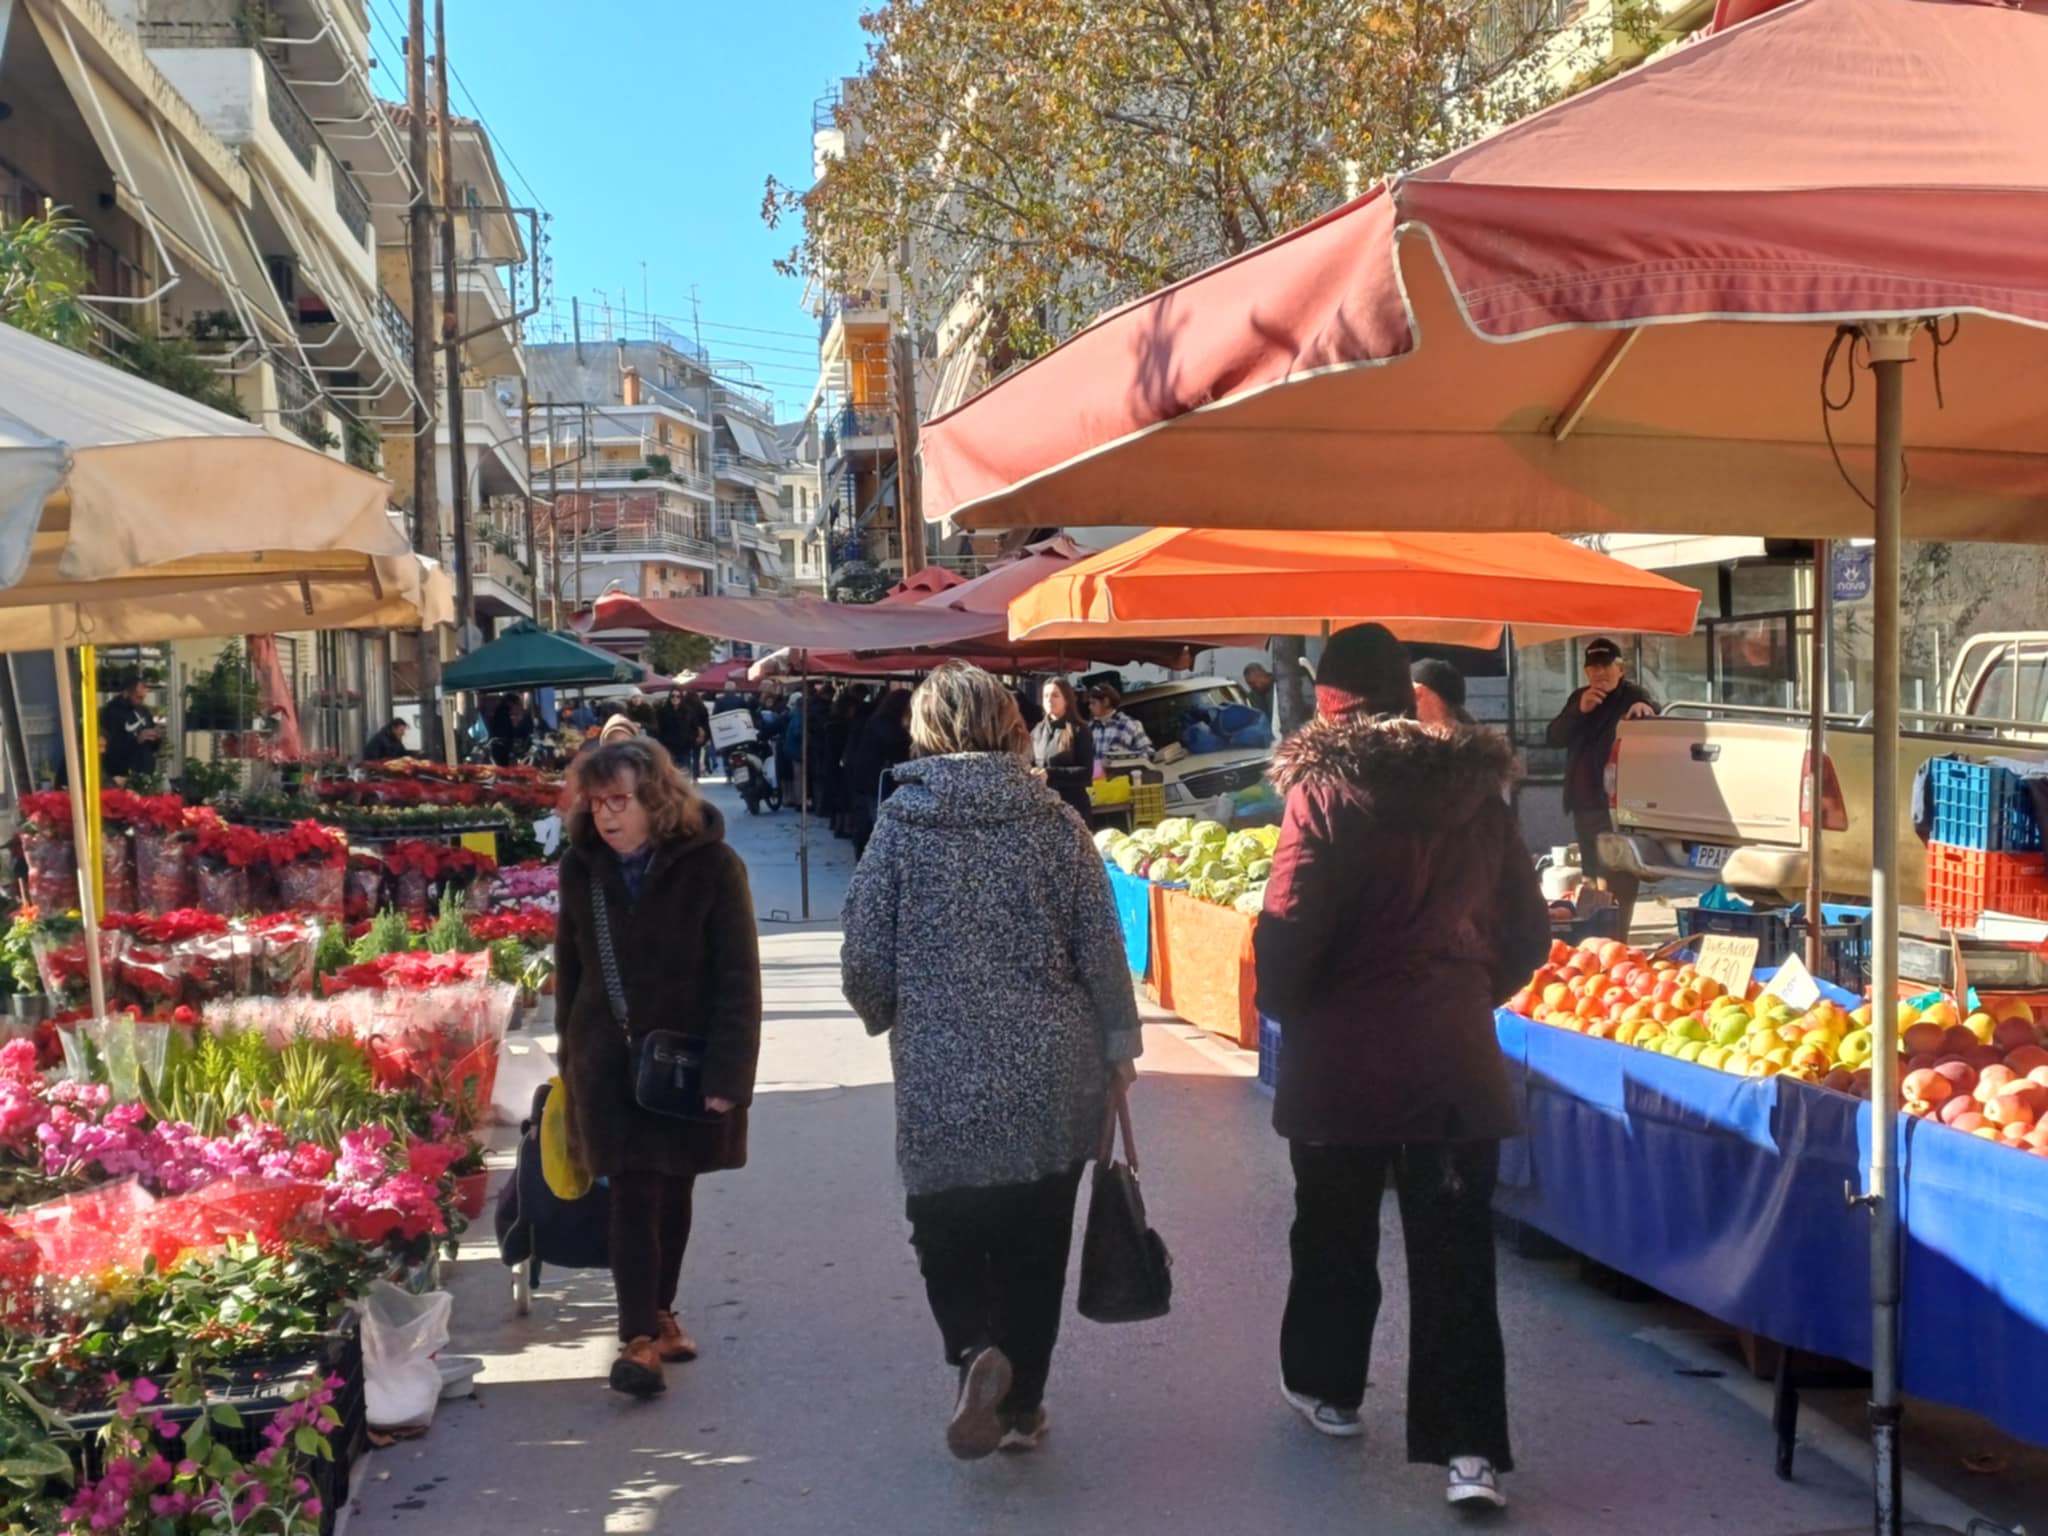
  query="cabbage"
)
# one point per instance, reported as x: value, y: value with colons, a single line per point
x: 1252, y: 902
x: 1259, y: 871
x: 1165, y: 871
x: 1210, y: 834
x: 1107, y: 839
x: 1173, y: 829
x: 1242, y: 848
x: 1269, y: 838
x: 1129, y: 857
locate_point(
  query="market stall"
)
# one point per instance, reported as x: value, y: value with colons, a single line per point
x: 1478, y: 344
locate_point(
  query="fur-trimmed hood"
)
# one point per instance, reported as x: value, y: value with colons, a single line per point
x: 1402, y: 767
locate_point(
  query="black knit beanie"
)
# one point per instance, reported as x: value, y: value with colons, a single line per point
x: 1367, y: 668
x: 1441, y: 679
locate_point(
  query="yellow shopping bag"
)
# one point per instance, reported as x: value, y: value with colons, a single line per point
x: 567, y: 1179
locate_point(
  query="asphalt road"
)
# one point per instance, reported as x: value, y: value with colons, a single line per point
x: 820, y: 1403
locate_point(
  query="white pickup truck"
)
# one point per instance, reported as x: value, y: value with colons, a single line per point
x: 1718, y: 792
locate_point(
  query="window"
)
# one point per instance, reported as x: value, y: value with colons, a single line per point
x: 1993, y: 695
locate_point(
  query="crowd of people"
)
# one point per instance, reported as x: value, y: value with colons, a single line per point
x: 981, y: 939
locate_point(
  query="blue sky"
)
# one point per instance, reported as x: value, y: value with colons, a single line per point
x: 647, y: 131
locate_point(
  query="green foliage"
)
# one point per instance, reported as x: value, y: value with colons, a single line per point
x: 225, y: 697
x: 42, y: 277
x: 202, y: 783
x: 364, y: 448
x: 674, y: 652
x: 18, y: 955
x: 314, y: 1088
x: 450, y: 932
x: 34, y: 1443
x: 1066, y: 156
x: 181, y: 365
x: 332, y: 952
x: 390, y: 934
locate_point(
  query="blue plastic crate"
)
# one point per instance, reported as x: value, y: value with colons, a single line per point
x: 1980, y: 806
x: 1269, y: 1053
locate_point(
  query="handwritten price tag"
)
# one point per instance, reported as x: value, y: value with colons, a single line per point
x: 1729, y: 960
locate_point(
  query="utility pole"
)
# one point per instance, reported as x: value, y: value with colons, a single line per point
x: 532, y: 532
x: 582, y: 451
x: 451, y: 342
x: 554, y: 529
x: 426, y: 500
x: 909, y: 500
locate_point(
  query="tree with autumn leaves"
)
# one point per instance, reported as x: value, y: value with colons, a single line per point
x: 1057, y: 157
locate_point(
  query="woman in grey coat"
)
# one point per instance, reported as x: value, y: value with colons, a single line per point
x: 981, y: 936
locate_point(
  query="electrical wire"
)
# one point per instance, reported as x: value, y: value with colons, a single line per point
x: 1830, y: 407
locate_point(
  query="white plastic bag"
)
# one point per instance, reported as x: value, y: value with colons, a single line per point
x: 522, y: 1069
x: 401, y: 1333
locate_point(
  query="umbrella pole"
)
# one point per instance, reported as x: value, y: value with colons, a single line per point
x: 92, y: 866
x: 803, y: 789
x: 67, y: 719
x: 1817, y: 747
x: 1890, y: 346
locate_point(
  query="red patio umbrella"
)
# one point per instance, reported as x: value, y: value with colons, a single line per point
x: 1648, y: 307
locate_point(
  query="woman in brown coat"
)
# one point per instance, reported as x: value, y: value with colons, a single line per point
x: 682, y: 929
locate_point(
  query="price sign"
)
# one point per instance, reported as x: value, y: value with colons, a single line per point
x: 1794, y: 983
x: 1730, y: 960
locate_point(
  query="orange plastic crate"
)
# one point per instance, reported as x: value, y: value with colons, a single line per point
x: 1964, y: 883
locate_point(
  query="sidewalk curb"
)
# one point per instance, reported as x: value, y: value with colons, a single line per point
x: 1825, y: 1438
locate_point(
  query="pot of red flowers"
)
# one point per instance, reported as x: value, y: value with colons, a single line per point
x: 227, y: 855
x: 46, y: 849
x: 364, y: 894
x: 118, y: 810
x: 310, y: 862
x: 164, y: 831
x: 426, y: 872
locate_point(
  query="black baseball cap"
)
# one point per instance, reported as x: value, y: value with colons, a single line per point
x: 1600, y: 652
x: 1441, y: 679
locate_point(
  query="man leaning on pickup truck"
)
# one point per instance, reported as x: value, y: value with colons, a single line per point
x: 1585, y: 728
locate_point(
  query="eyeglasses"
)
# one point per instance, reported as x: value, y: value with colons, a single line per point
x: 613, y: 805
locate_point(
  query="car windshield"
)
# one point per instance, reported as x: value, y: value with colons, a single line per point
x: 1165, y: 717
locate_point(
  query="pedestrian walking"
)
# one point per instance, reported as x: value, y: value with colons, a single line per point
x: 981, y: 938
x: 1585, y: 728
x: 1062, y: 746
x: 1400, y: 875
x: 884, y: 746
x: 647, y: 863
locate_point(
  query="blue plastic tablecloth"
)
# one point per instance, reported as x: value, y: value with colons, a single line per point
x: 1134, y: 913
x: 1727, y: 1193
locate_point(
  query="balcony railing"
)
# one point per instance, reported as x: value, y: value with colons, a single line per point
x: 865, y: 422
x: 350, y: 203
x: 732, y: 397
x: 738, y: 464
x: 299, y: 406
x: 396, y: 326
x: 643, y: 545
x: 654, y: 469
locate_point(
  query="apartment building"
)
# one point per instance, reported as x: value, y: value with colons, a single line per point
x: 493, y: 271
x: 799, y: 524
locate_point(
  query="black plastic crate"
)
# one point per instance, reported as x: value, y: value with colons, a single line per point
x: 1780, y: 933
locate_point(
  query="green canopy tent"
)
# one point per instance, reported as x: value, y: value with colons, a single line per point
x: 527, y: 656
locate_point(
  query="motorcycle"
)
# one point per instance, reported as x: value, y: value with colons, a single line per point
x: 746, y: 769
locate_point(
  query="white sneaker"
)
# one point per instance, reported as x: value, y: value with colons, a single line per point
x: 1326, y: 1418
x: 1473, y: 1484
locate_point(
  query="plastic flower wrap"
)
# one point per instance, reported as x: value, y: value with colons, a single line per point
x: 363, y: 896
x: 284, y: 950
x: 47, y: 850
x: 59, y: 944
x: 228, y: 857
x: 218, y: 965
x: 311, y: 866
x: 117, y: 850
x: 424, y: 871
x: 119, y: 1052
x: 163, y: 853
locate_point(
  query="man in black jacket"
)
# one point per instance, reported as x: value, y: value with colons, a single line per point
x: 129, y: 735
x: 1585, y: 727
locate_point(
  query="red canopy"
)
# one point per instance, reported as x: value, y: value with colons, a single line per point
x: 803, y: 623
x: 1828, y: 159
x: 714, y: 677
x: 931, y: 580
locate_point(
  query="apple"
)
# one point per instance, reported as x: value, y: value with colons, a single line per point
x: 1943, y: 1013
x: 2026, y: 1058
x: 1926, y: 1089
x: 1971, y: 1124
x: 1961, y: 1075
x: 2011, y: 1034
x: 1954, y: 1109
x: 1991, y: 1079
x: 1926, y: 1039
x: 1856, y: 1047
x: 1958, y: 1039
x: 1982, y: 1025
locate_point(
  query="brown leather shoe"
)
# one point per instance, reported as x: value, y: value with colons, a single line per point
x: 637, y: 1371
x: 674, y: 1341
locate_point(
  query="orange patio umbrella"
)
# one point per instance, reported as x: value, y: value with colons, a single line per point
x: 1436, y: 588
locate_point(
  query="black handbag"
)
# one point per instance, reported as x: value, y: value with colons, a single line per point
x: 666, y: 1066
x: 1126, y: 1272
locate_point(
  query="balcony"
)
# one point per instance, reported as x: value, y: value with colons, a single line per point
x: 397, y: 329
x: 641, y: 468
x: 300, y: 408
x: 482, y: 305
x: 647, y: 544
x: 758, y: 404
x: 498, y: 573
x: 864, y: 308
x: 737, y: 466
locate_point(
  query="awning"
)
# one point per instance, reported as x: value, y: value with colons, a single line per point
x: 527, y: 656
x: 748, y: 440
x: 771, y: 504
x: 1672, y: 552
x: 804, y: 623
x: 151, y: 175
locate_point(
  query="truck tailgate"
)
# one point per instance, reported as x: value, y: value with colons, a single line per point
x: 1716, y: 781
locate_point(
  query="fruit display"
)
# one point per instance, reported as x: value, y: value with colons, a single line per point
x: 1985, y: 1074
x: 1214, y: 863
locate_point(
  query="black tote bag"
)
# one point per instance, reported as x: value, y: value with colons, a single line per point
x: 1126, y: 1272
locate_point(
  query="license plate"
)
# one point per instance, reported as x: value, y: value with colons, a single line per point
x: 1710, y: 856
x: 739, y: 775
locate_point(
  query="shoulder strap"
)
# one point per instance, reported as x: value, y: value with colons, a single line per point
x: 607, y: 957
x: 1117, y: 1113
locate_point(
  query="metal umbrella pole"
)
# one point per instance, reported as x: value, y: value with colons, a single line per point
x: 803, y: 786
x: 1891, y: 343
x: 1817, y: 749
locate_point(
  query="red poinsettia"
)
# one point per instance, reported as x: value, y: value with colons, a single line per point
x: 48, y: 811
x: 122, y: 807
x: 527, y: 927
x: 435, y: 861
x: 164, y: 812
x: 308, y: 842
x: 238, y: 847
x: 168, y: 927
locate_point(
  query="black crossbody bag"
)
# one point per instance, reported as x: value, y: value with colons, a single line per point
x: 665, y: 1066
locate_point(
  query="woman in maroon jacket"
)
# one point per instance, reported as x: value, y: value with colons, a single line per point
x: 1403, y: 907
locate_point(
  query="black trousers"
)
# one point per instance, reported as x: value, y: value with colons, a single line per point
x: 650, y: 1229
x: 1457, y: 1369
x: 995, y: 1272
